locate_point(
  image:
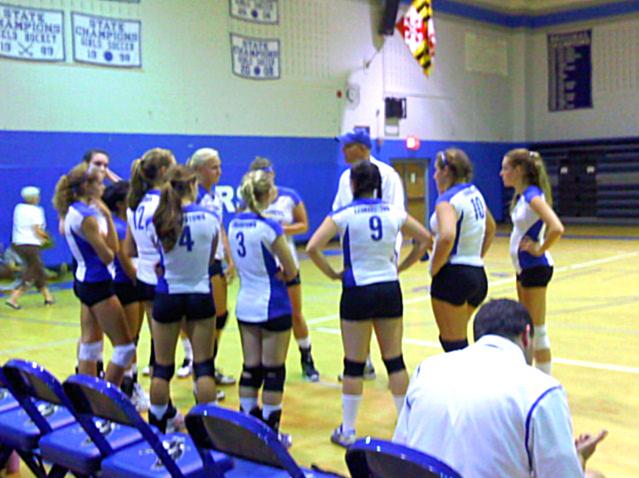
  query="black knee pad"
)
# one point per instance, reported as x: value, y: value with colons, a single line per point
x: 353, y: 369
x: 395, y: 364
x: 204, y: 369
x: 220, y: 320
x: 252, y: 377
x: 450, y: 346
x: 165, y: 372
x: 274, y: 378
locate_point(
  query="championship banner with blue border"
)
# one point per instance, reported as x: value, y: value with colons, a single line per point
x: 107, y: 41
x: 570, y: 70
x: 31, y: 33
x: 256, y: 11
x: 255, y: 58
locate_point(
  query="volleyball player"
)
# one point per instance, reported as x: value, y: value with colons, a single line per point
x: 371, y: 293
x: 263, y: 308
x: 186, y: 237
x: 207, y: 165
x: 464, y: 229
x: 147, y: 176
x: 288, y: 209
x: 536, y: 228
x: 77, y: 200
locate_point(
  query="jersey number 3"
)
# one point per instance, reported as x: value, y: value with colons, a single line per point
x: 241, y: 248
x: 185, y: 239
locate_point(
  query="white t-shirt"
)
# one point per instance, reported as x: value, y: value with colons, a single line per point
x: 25, y: 218
x: 487, y: 414
x: 281, y: 210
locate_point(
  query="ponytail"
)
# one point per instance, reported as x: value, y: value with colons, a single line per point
x: 146, y: 173
x: 168, y: 217
x: 256, y: 185
x: 534, y: 171
x: 69, y: 187
x: 458, y: 162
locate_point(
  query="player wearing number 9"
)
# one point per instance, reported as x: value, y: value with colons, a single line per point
x: 464, y: 230
x: 371, y: 293
x: 185, y: 235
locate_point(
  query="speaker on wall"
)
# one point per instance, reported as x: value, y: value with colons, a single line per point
x: 395, y: 108
x: 389, y: 17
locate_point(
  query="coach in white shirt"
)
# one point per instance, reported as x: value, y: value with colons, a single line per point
x: 27, y: 239
x: 487, y: 413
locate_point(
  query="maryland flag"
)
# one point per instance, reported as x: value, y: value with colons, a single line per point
x: 418, y: 30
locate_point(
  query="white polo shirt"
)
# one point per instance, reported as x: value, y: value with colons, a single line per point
x: 487, y: 414
x: 25, y: 218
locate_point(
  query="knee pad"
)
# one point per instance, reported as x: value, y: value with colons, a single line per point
x: 252, y: 377
x: 452, y: 345
x: 395, y: 364
x: 123, y: 354
x: 204, y: 369
x: 220, y: 320
x: 274, y: 378
x: 354, y: 369
x: 91, y: 352
x: 165, y: 372
x: 541, y: 341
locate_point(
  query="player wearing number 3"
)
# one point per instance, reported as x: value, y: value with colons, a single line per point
x: 463, y: 229
x: 371, y: 294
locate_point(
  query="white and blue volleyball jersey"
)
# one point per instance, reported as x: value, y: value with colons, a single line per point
x: 470, y: 211
x: 148, y: 256
x: 213, y: 202
x: 262, y: 295
x: 368, y: 230
x: 281, y: 209
x: 526, y: 222
x: 186, y: 266
x: 90, y: 268
x: 119, y: 275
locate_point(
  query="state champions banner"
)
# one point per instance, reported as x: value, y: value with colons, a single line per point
x: 107, y: 41
x: 255, y: 58
x: 418, y: 31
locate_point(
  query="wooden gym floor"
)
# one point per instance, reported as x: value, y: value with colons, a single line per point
x: 592, y: 318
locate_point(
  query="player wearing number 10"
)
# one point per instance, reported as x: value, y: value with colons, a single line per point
x: 464, y: 230
x: 371, y: 294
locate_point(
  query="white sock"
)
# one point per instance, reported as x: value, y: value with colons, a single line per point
x: 350, y: 406
x: 304, y: 343
x: 267, y: 409
x: 158, y: 411
x: 399, y: 402
x: 543, y: 366
x: 247, y: 404
x: 188, y: 349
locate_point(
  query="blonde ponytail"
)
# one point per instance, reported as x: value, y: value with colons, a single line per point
x: 534, y: 171
x: 69, y: 187
x: 147, y: 172
x: 255, y: 189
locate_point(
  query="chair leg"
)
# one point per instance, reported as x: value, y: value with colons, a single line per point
x: 57, y: 471
x: 34, y: 463
x: 5, y: 453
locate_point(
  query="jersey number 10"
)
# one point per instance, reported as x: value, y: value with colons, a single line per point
x: 478, y: 206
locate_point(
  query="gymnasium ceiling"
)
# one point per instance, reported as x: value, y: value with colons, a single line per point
x: 535, y: 5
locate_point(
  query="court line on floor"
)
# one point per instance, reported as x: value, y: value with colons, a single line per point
x: 500, y: 282
x: 556, y: 360
x: 42, y: 346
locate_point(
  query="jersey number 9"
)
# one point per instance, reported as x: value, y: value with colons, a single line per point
x: 375, y: 223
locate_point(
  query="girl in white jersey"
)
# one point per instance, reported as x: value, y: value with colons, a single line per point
x: 264, y: 264
x: 148, y: 174
x: 371, y: 294
x: 463, y: 229
x: 288, y: 209
x: 207, y: 165
x: 77, y: 200
x: 186, y: 236
x: 531, y: 213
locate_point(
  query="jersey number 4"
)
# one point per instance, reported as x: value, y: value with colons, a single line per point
x: 185, y: 239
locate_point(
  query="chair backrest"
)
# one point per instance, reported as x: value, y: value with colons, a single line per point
x: 93, y: 397
x: 369, y: 457
x: 27, y: 382
x: 239, y: 435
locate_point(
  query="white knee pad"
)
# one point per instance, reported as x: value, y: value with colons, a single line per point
x: 91, y: 352
x: 123, y: 354
x: 541, y: 340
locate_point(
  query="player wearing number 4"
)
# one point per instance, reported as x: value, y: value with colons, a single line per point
x: 371, y: 293
x: 531, y: 212
x: 464, y: 230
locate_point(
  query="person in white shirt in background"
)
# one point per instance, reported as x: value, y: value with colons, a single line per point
x: 356, y: 146
x: 487, y: 413
x: 28, y: 237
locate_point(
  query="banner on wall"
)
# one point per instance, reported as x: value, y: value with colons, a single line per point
x: 31, y: 33
x: 255, y: 58
x: 569, y: 70
x: 418, y: 31
x: 106, y: 41
x: 257, y: 11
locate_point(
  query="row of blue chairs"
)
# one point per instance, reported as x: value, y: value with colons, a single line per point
x: 87, y: 427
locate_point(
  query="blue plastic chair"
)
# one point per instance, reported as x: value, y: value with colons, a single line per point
x: 41, y: 412
x: 372, y: 458
x: 254, y: 446
x: 7, y: 402
x: 157, y: 455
